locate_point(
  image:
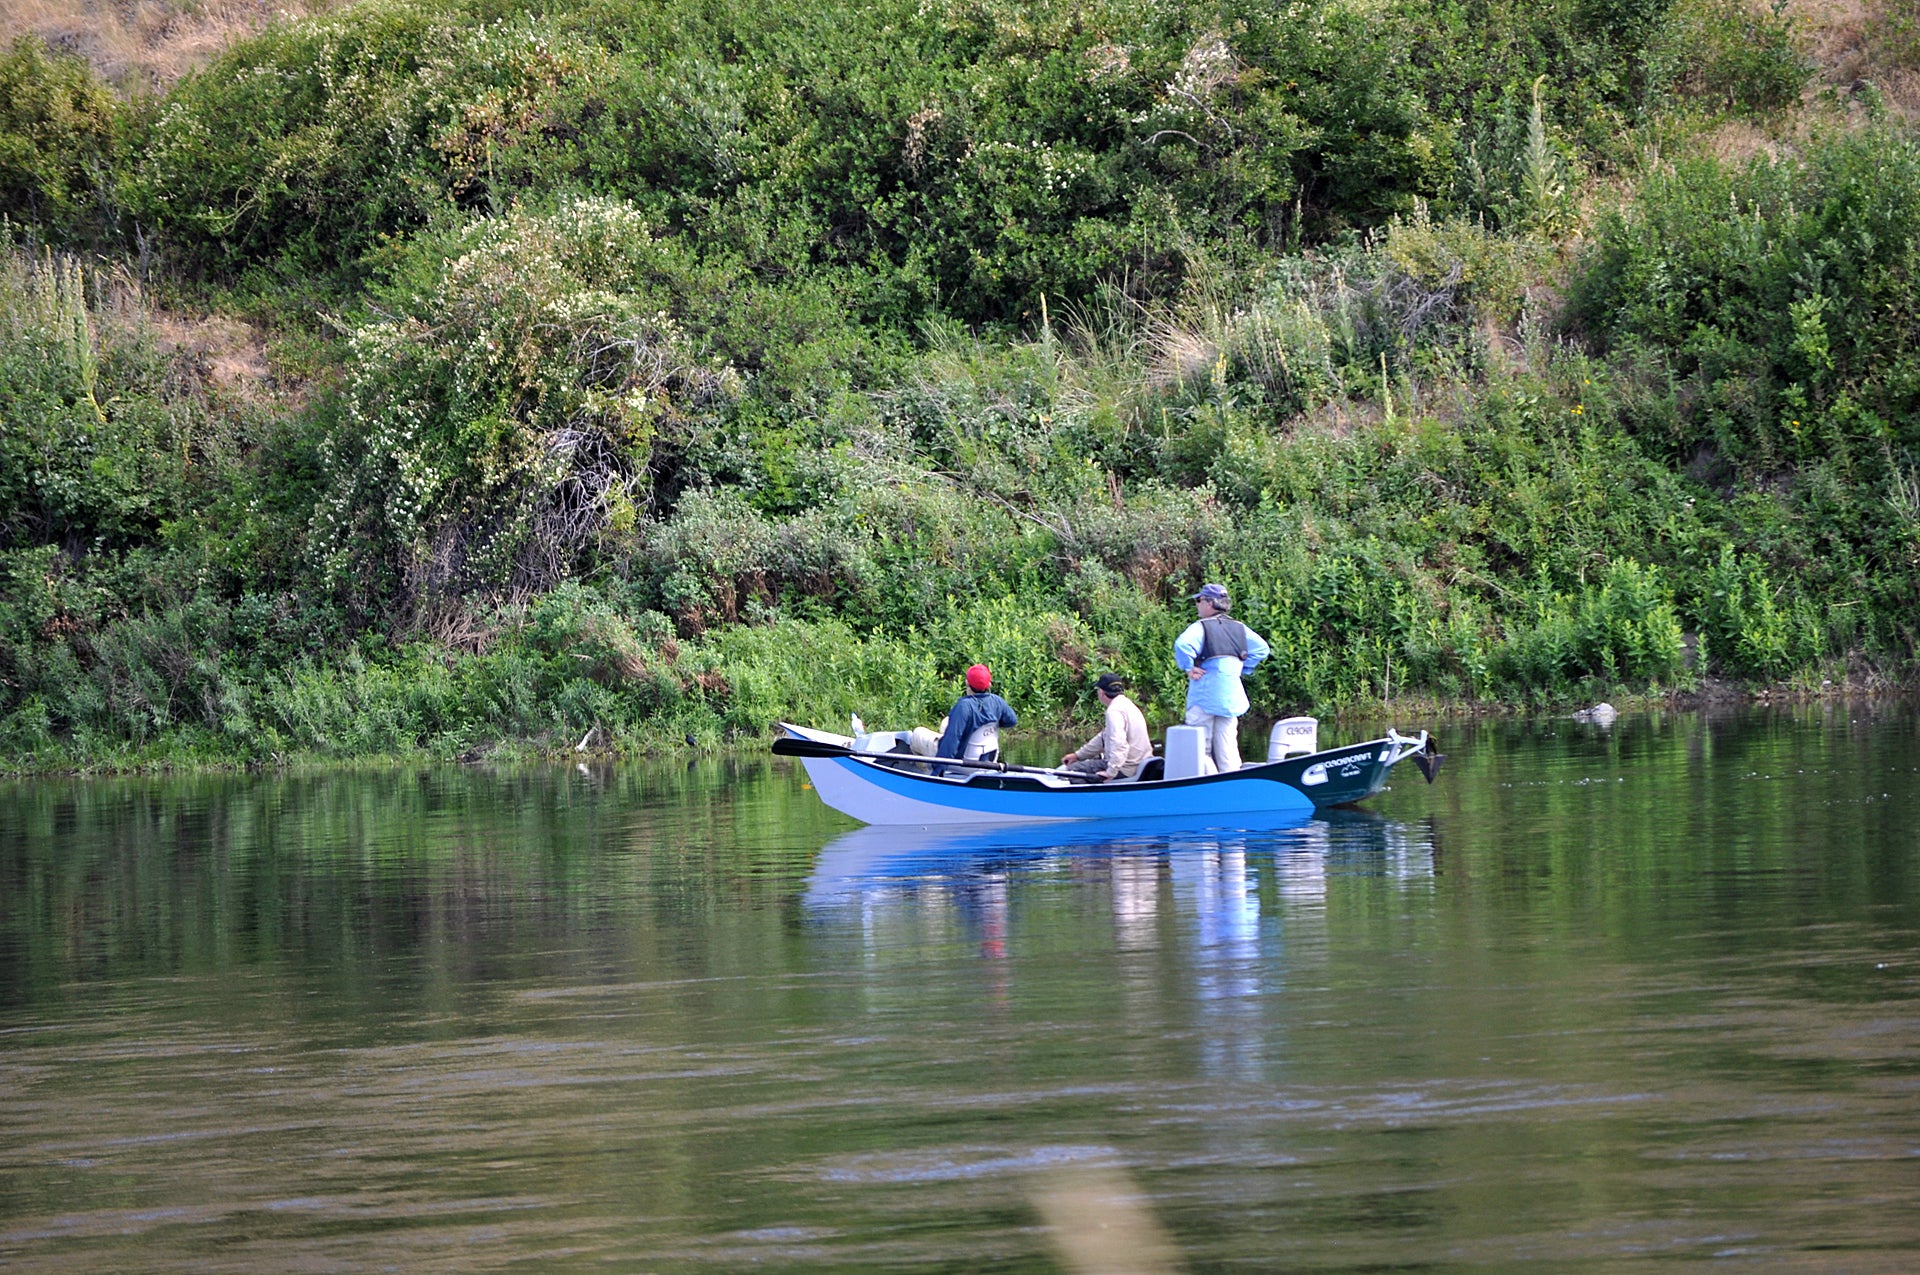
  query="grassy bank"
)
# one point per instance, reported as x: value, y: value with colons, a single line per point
x: 472, y: 378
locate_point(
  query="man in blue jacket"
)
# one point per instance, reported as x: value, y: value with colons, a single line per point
x: 973, y: 724
x: 1213, y: 652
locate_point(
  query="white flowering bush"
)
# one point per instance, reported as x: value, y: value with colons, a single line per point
x: 499, y: 413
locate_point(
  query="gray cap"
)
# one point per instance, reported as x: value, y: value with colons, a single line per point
x: 1214, y: 593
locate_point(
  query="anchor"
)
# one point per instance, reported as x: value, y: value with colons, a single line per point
x: 1428, y: 760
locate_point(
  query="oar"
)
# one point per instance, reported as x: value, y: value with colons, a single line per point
x: 788, y: 746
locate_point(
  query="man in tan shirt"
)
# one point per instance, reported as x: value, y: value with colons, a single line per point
x: 1117, y: 751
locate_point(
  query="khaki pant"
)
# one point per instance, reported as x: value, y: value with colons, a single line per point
x: 1223, y: 738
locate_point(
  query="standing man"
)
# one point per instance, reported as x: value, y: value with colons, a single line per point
x: 1214, y: 651
x: 1117, y: 751
x: 973, y: 724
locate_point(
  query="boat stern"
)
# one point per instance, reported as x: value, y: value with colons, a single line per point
x: 1342, y: 776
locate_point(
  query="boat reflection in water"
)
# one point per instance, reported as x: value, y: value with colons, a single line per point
x: 964, y: 880
x: 875, y: 862
x: 1195, y: 932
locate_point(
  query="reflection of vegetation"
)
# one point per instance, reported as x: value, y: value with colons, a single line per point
x: 1620, y: 835
x: 684, y: 366
x: 340, y: 875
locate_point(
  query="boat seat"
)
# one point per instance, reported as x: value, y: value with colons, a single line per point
x: 1150, y: 769
x: 1016, y: 783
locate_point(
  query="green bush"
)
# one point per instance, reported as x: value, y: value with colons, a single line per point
x: 632, y: 654
x: 818, y: 673
x: 1778, y: 296
x: 94, y: 449
x: 59, y: 135
x: 1623, y: 630
x: 1729, y: 54
x: 1745, y: 629
x: 311, y: 142
x: 967, y: 158
x: 500, y: 418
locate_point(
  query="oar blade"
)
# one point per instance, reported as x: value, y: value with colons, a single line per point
x: 791, y: 746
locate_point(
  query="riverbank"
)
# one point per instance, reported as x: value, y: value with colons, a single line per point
x: 581, y: 379
x: 596, y: 748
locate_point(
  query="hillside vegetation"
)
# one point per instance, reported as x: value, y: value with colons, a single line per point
x: 472, y: 376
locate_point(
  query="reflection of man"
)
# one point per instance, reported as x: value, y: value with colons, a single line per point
x: 1218, y: 900
x: 1214, y: 651
x: 1123, y: 742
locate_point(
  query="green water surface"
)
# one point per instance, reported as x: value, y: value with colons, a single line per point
x: 1600, y: 999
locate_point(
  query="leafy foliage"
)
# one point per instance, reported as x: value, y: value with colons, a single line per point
x: 980, y: 154
x: 501, y: 416
x: 687, y: 366
x: 93, y: 453
x: 59, y: 142
x: 1730, y: 54
x: 1780, y: 294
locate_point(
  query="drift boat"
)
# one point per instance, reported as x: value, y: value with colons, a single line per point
x: 891, y: 787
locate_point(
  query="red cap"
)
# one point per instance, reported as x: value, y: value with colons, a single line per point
x: 979, y: 677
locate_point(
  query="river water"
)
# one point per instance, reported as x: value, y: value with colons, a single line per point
x: 1600, y: 999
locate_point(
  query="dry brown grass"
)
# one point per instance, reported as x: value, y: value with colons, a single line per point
x: 229, y: 354
x: 1864, y: 41
x: 1737, y: 141
x: 147, y: 43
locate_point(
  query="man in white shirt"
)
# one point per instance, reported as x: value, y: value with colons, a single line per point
x: 1213, y: 652
x: 1122, y: 744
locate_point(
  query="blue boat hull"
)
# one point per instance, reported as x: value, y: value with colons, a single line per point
x: 896, y: 789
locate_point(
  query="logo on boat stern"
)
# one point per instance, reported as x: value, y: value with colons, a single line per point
x: 1344, y: 767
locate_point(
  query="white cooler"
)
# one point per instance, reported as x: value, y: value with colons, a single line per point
x: 1187, y: 753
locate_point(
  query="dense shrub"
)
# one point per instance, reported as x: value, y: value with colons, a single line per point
x: 1747, y: 627
x: 501, y: 413
x: 1624, y: 629
x: 973, y: 157
x: 1729, y: 54
x: 91, y: 452
x: 1780, y: 296
x: 59, y: 129
x: 821, y: 673
x: 311, y: 142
